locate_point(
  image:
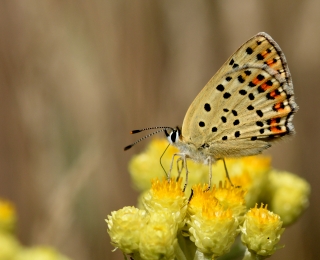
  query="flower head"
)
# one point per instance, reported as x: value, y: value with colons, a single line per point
x: 261, y: 231
x: 166, y: 196
x: 124, y: 228
x: 212, y: 228
x: 159, y: 236
x: 231, y: 198
x: 287, y: 195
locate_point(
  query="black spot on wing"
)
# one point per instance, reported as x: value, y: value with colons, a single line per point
x: 241, y: 79
x: 201, y: 124
x: 259, y: 113
x: 251, y: 84
x: 259, y: 123
x: 242, y: 92
x: 220, y: 87
x: 226, y: 95
x: 260, y: 57
x: 249, y: 50
x: 207, y: 107
x: 269, y: 82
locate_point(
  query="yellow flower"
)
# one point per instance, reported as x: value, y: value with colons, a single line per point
x: 152, y: 233
x: 261, y: 231
x: 200, y: 195
x: 288, y: 195
x: 231, y: 198
x: 159, y: 237
x: 8, y: 216
x: 124, y: 228
x: 166, y: 196
x: 212, y: 228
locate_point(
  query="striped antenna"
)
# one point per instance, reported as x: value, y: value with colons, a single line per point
x: 149, y: 128
x: 162, y: 128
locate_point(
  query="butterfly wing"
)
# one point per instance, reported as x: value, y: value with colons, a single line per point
x: 246, y: 105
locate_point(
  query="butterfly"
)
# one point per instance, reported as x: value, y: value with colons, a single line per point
x: 243, y: 109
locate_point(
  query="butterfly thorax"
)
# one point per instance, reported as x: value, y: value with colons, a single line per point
x: 199, y: 153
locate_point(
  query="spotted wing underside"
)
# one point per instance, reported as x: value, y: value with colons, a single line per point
x: 249, y: 99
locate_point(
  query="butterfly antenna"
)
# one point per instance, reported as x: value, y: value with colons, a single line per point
x: 149, y: 128
x: 141, y: 139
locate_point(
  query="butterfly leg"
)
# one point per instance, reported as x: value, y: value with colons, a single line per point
x: 171, y: 165
x: 227, y: 174
x: 178, y: 168
x: 186, y: 167
x: 210, y: 172
x: 183, y: 157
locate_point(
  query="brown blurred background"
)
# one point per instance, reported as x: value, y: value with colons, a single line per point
x: 77, y: 76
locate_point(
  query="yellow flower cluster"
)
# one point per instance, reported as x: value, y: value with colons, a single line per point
x: 211, y: 219
x: 204, y: 226
x: 10, y: 248
x: 253, y: 174
x: 151, y: 233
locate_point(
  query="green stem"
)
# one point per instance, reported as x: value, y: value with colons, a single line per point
x: 178, y: 252
x: 187, y: 247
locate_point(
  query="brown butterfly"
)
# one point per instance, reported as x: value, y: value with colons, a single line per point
x: 244, y: 108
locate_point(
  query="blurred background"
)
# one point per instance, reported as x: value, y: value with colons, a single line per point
x: 77, y: 76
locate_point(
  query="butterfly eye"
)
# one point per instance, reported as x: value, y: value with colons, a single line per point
x: 173, y: 136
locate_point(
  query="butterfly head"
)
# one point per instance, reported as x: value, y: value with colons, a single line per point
x: 173, y: 136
